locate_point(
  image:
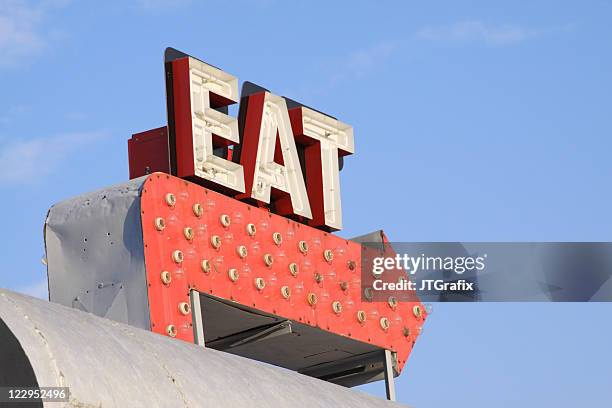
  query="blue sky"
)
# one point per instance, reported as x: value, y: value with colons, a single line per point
x: 474, y: 121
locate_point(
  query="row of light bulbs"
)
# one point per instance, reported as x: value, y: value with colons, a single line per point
x: 259, y: 283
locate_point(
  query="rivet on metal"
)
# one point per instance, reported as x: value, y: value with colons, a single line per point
x: 205, y: 264
x: 303, y: 247
x: 318, y: 277
x: 328, y: 255
x: 352, y: 265
x: 277, y: 238
x: 344, y: 285
x: 177, y: 256
x: 160, y: 224
x: 406, y: 332
x: 170, y: 199
x: 188, y: 232
x: 337, y: 307
x: 184, y: 308
x: 294, y: 269
x: 367, y: 292
x: 312, y: 299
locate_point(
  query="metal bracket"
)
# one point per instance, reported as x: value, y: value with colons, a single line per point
x: 252, y: 335
x: 196, y: 317
x: 389, y: 381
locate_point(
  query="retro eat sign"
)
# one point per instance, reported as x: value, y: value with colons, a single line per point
x: 263, y: 164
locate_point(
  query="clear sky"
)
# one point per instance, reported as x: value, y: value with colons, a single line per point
x: 474, y: 121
